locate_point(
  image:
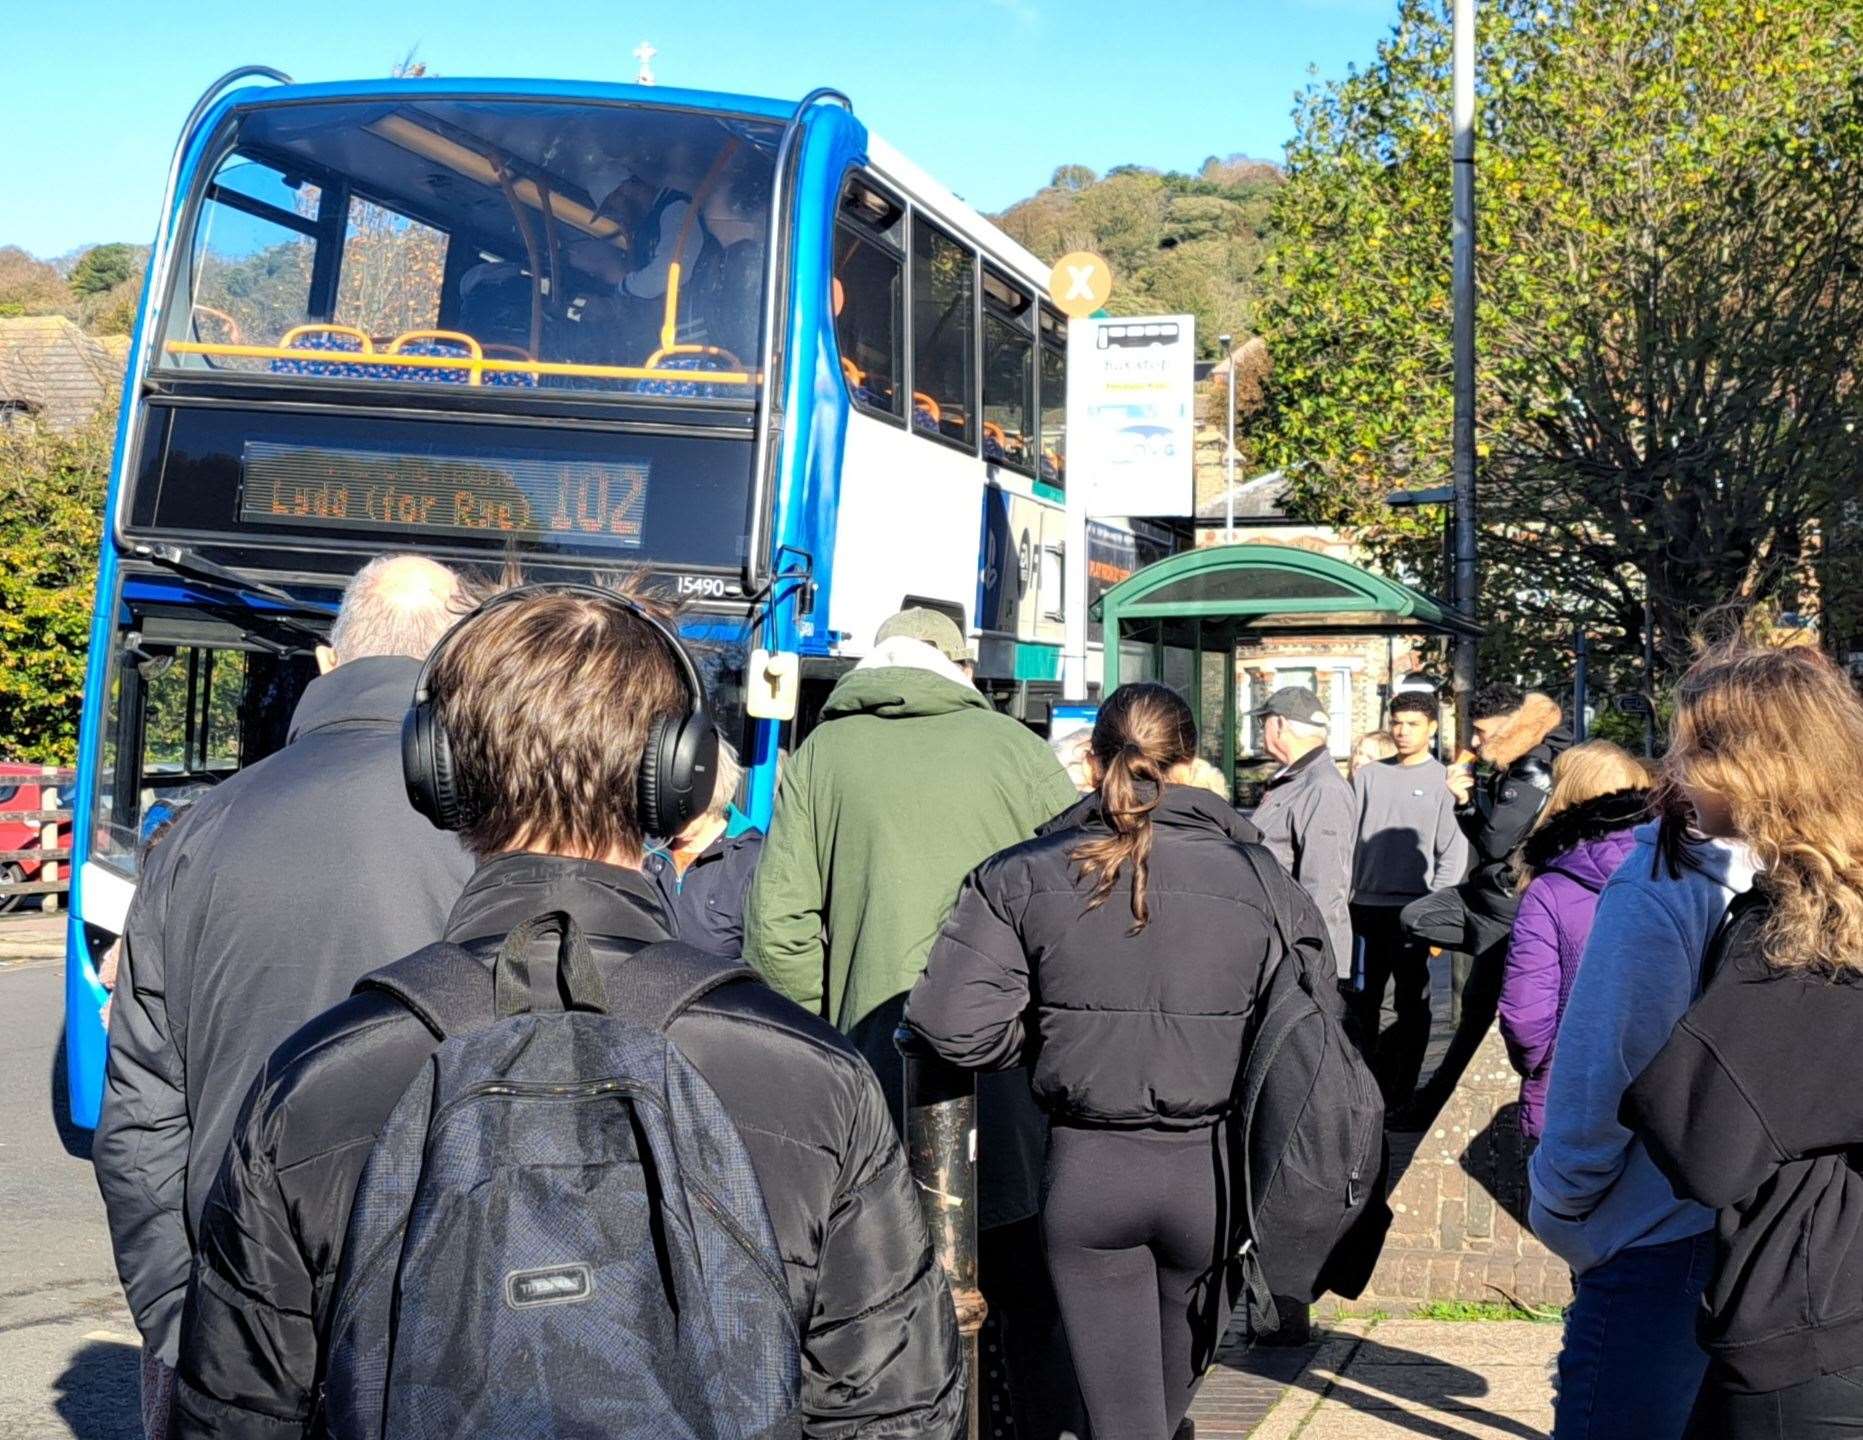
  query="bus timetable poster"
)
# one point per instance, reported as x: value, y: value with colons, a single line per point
x: 1132, y: 414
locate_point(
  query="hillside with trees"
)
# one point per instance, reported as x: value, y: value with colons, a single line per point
x: 1176, y: 243
x: 98, y: 286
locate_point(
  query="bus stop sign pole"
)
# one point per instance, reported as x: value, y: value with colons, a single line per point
x: 1462, y: 443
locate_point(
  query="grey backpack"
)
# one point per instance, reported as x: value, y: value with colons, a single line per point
x: 559, y: 1232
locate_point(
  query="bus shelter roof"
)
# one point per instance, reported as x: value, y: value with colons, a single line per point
x: 1277, y: 589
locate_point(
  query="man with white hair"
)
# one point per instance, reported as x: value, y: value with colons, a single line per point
x: 263, y: 906
x: 1307, y: 816
x: 704, y: 872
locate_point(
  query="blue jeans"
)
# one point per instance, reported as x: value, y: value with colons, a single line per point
x: 1630, y: 1368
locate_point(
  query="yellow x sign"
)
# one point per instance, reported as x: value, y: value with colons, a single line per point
x: 1080, y: 283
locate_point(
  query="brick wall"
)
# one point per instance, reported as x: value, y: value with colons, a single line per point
x: 1459, y: 1203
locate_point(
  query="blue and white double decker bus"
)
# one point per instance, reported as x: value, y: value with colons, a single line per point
x: 740, y: 344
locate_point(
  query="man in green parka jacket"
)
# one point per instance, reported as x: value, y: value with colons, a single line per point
x: 910, y: 781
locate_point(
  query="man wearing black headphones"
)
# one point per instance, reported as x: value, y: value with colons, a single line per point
x: 554, y: 729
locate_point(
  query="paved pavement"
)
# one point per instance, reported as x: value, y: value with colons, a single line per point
x: 1420, y: 1380
x: 68, y: 1350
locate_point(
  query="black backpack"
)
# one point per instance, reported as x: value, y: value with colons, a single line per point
x: 559, y: 1231
x: 1307, y: 1141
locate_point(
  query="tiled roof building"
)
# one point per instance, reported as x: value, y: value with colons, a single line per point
x: 54, y: 373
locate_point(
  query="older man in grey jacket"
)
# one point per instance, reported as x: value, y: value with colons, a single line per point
x: 264, y: 905
x: 1307, y: 816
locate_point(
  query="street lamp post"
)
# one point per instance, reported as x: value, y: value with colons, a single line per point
x: 1462, y: 450
x: 1229, y: 447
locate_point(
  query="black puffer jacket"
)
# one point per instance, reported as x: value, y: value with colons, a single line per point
x: 1118, y: 1029
x: 1752, y: 1107
x: 880, y: 1349
x: 1507, y: 799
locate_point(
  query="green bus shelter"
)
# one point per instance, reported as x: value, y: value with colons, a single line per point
x: 1183, y: 619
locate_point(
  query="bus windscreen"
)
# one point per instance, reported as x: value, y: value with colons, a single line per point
x: 530, y: 245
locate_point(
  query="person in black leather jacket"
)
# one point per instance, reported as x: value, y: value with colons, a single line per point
x: 548, y: 786
x: 1118, y: 954
x: 1518, y: 735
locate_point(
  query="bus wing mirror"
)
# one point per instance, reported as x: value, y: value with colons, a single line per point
x: 772, y: 683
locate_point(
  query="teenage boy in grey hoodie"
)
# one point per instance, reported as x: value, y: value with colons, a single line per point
x: 1630, y: 1366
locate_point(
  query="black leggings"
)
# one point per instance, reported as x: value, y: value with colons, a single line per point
x: 1129, y: 1222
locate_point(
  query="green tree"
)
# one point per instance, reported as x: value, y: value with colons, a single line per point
x: 51, y: 503
x: 104, y: 267
x: 1671, y: 268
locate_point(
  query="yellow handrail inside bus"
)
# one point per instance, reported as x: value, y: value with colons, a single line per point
x: 473, y: 355
x: 457, y: 362
x: 669, y: 327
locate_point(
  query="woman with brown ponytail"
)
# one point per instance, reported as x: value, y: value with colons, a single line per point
x: 1117, y: 955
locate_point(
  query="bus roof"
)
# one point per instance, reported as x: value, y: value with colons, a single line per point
x: 957, y: 213
x: 426, y: 87
x: 888, y: 161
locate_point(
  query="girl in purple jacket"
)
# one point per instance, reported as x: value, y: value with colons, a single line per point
x: 1599, y: 794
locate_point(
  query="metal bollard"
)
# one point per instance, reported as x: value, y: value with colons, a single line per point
x: 941, y: 1146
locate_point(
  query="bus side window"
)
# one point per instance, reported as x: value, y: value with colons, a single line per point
x: 870, y: 301
x: 944, y: 349
x: 1008, y: 373
x: 1051, y: 440
x: 870, y: 296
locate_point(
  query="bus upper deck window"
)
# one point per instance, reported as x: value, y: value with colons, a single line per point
x: 254, y: 252
x: 497, y: 244
x: 1008, y: 373
x: 392, y: 272
x: 1052, y: 436
x: 944, y: 383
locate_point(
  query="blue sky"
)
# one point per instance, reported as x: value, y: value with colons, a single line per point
x: 989, y: 95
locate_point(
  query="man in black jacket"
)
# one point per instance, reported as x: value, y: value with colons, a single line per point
x: 261, y: 907
x: 1518, y: 735
x: 546, y: 774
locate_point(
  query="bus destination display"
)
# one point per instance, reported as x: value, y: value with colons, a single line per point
x: 593, y: 502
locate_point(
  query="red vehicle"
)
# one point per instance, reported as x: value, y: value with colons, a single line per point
x: 23, y: 790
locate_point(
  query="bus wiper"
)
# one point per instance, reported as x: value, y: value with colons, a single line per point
x: 199, y: 568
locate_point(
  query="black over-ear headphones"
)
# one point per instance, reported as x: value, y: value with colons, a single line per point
x: 677, y: 768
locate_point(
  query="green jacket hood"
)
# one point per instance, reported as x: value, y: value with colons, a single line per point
x: 897, y: 692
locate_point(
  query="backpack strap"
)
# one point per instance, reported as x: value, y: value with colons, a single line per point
x: 428, y: 982
x: 662, y: 981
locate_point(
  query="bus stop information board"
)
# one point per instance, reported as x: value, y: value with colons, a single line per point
x: 1132, y: 413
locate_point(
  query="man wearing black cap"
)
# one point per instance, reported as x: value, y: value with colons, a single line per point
x: 1306, y: 815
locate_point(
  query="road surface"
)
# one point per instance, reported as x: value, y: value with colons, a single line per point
x: 68, y: 1349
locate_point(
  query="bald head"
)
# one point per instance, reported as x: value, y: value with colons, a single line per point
x: 396, y: 605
